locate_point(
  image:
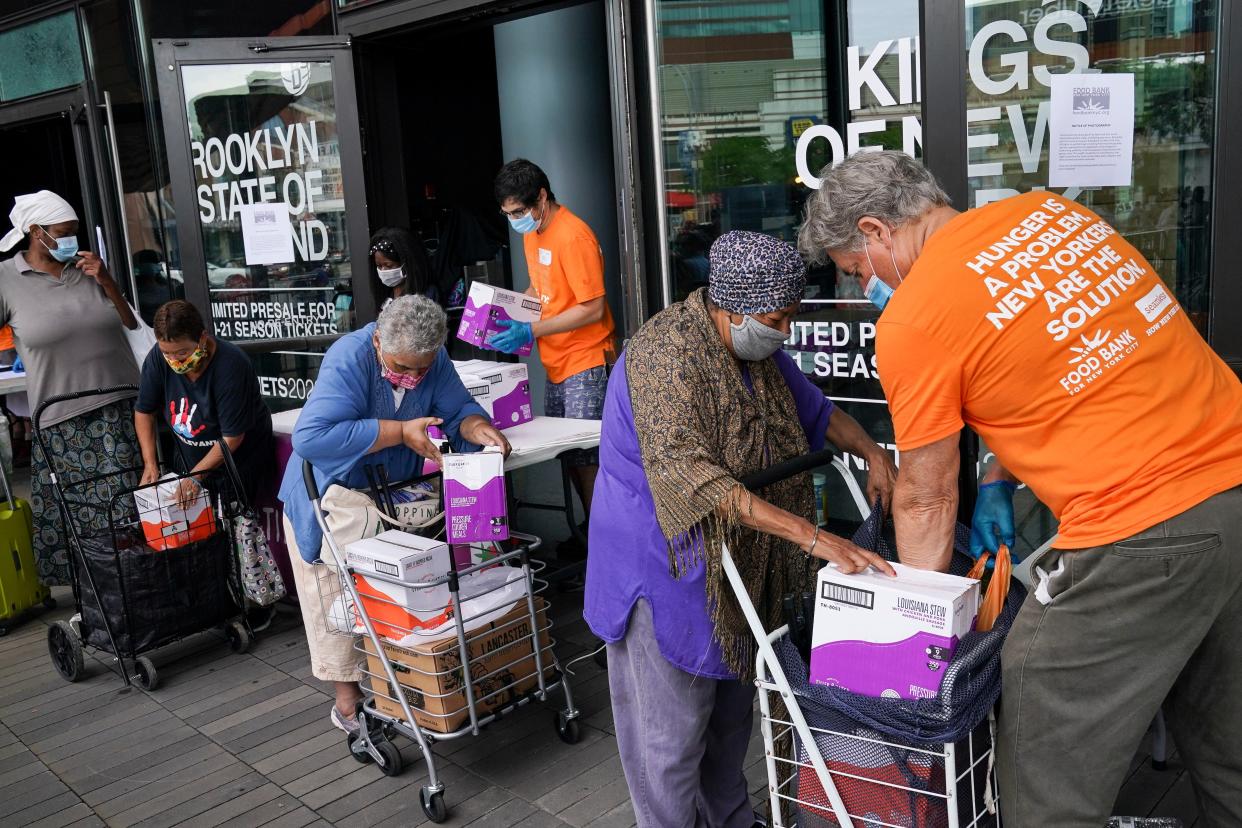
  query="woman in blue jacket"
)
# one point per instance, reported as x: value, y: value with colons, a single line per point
x: 378, y: 390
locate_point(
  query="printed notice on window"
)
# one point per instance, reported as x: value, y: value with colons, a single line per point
x: 267, y: 232
x: 1092, y: 131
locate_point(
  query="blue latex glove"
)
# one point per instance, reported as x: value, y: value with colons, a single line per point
x: 992, y: 523
x: 514, y: 336
x: 18, y: 365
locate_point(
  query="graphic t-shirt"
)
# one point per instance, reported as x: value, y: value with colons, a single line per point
x: 566, y: 268
x: 1035, y: 323
x: 224, y: 402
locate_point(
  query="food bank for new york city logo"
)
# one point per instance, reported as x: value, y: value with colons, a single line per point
x: 1096, y: 354
x: 1091, y: 99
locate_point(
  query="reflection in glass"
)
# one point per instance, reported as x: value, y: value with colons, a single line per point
x: 740, y: 85
x: 40, y: 56
x: 266, y: 132
x: 1168, y: 46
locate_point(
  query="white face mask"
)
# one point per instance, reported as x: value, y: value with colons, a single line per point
x: 391, y: 278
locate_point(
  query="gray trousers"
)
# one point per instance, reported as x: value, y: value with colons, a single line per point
x: 1107, y: 636
x: 682, y: 738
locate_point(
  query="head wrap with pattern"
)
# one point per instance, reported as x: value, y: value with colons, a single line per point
x: 754, y: 273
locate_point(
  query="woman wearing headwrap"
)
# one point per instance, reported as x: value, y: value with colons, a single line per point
x: 68, y: 317
x: 400, y: 265
x: 703, y: 396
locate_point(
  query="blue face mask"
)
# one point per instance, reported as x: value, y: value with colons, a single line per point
x: 877, y: 290
x: 524, y: 224
x: 66, y: 248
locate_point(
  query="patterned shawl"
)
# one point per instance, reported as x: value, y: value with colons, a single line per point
x: 699, y: 430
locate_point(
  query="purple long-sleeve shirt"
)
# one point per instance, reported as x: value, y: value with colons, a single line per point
x: 628, y: 556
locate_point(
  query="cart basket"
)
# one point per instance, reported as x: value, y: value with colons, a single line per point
x: 151, y: 597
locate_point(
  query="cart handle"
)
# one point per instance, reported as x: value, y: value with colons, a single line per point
x: 788, y: 468
x: 77, y: 395
x: 308, y: 476
x: 806, y: 462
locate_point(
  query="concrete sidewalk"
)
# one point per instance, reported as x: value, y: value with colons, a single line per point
x: 244, y: 740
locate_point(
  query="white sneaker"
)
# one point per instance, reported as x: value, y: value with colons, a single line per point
x: 348, y: 724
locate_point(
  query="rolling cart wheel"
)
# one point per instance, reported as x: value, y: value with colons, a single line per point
x: 393, y: 761
x: 568, y: 729
x: 148, y: 677
x: 239, y: 637
x: 49, y: 603
x: 433, y: 805
x: 65, y: 648
x: 357, y: 751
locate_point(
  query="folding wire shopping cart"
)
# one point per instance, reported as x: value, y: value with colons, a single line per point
x: 479, y: 647
x: 141, y: 582
x: 846, y: 774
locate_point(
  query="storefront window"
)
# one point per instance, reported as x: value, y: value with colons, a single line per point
x: 40, y: 56
x: 1015, y: 46
x: 1169, y: 47
x: 739, y: 82
x: 754, y: 102
x: 266, y: 133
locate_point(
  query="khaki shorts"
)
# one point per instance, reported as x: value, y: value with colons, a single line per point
x: 333, y: 657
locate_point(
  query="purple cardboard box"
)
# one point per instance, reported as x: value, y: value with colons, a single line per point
x: 889, y: 637
x: 502, y: 388
x: 475, y: 507
x: 487, y: 306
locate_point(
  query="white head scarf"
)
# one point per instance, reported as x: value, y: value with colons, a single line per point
x: 43, y: 207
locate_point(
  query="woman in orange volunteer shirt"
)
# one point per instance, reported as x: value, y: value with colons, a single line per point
x: 575, y: 332
x: 1035, y: 323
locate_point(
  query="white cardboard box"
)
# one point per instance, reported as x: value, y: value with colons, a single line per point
x: 397, y: 608
x: 889, y: 637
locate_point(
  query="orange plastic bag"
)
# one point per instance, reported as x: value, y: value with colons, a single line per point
x: 997, y: 590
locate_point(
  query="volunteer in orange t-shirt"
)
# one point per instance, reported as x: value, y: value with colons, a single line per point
x: 575, y: 332
x: 1035, y: 323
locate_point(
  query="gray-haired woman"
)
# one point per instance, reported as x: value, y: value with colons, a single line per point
x: 378, y: 390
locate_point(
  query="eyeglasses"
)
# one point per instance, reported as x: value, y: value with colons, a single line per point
x: 515, y: 214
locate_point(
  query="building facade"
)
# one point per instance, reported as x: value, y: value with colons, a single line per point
x: 663, y: 123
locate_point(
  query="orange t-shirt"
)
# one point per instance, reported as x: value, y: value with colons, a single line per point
x: 1035, y: 323
x: 6, y: 338
x: 566, y: 268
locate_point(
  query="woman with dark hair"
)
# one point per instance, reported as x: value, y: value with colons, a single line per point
x: 401, y: 267
x: 208, y: 391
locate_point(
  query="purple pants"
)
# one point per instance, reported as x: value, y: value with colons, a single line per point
x: 682, y: 738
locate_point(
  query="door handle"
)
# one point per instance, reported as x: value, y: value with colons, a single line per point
x: 114, y: 151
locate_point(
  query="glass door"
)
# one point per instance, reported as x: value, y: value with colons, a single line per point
x: 266, y: 168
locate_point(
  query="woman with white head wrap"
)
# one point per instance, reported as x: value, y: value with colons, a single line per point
x: 68, y: 318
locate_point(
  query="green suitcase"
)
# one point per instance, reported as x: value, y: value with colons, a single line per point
x: 19, y: 576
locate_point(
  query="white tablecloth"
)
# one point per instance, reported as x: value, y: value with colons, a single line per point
x: 538, y: 441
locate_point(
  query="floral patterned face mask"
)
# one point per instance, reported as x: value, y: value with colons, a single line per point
x: 185, y: 366
x: 398, y: 380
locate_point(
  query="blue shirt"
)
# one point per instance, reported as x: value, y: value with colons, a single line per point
x: 340, y: 423
x: 629, y: 554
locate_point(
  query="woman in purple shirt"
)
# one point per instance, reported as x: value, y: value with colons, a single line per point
x: 703, y: 396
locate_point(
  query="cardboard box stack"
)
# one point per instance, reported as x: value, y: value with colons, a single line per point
x: 502, y: 668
